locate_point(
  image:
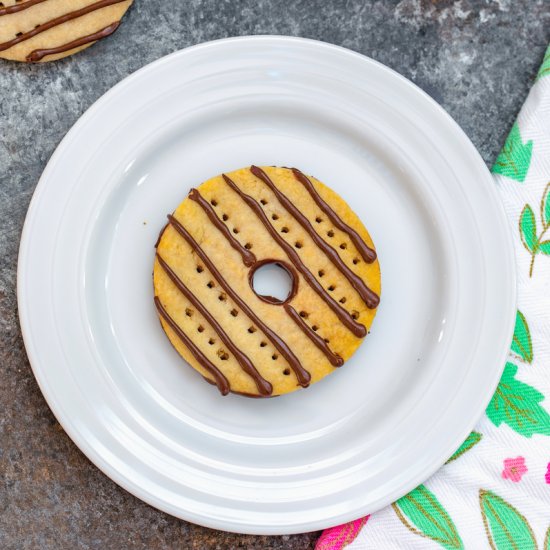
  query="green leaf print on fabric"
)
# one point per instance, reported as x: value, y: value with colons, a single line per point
x: 473, y: 439
x: 517, y: 404
x: 547, y: 540
x: 528, y: 228
x: 545, y: 67
x: 521, y: 343
x: 515, y: 157
x: 422, y: 514
x: 545, y: 206
x: 506, y: 528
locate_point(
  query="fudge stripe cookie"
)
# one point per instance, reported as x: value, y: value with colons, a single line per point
x: 34, y: 30
x: 206, y: 260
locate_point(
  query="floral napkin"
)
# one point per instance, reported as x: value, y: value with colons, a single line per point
x: 494, y: 491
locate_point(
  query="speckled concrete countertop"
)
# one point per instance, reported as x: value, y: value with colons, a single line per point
x: 475, y: 57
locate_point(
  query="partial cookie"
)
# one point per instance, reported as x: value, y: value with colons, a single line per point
x: 207, y: 255
x: 45, y: 30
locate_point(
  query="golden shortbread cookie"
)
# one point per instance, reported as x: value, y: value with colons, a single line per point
x: 205, y: 260
x: 44, y: 30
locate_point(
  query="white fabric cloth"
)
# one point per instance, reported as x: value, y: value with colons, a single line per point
x: 497, y: 493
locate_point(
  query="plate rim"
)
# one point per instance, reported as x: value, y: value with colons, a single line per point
x: 40, y: 372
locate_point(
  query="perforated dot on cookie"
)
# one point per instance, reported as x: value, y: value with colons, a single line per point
x: 318, y: 219
x: 284, y: 230
x: 326, y: 340
x: 234, y: 312
x: 330, y: 233
x: 356, y: 261
x: 263, y: 344
x: 298, y: 244
x: 274, y: 357
x: 342, y: 300
x: 222, y: 297
x: 321, y: 273
x: 19, y: 34
x: 343, y: 246
x: 286, y: 372
x: 210, y: 284
x: 263, y: 201
x: 200, y: 269
x: 214, y: 202
x: 235, y: 230
x: 188, y: 312
x: 252, y: 330
x: 200, y: 328
x: 211, y: 341
x: 248, y: 246
x: 355, y: 314
x: 274, y: 217
x: 225, y: 217
x: 223, y: 355
x: 304, y: 314
x: 314, y: 328
x: 331, y: 288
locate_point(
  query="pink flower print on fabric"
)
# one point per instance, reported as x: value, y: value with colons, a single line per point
x: 514, y: 468
x: 547, y: 475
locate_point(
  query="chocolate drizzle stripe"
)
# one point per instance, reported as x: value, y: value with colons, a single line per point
x: 220, y: 379
x: 302, y: 375
x: 368, y: 254
x: 37, y: 55
x: 370, y: 298
x: 244, y: 394
x: 58, y: 21
x: 264, y: 387
x: 335, y: 360
x: 356, y: 328
x: 248, y: 257
x: 19, y: 7
x: 161, y: 233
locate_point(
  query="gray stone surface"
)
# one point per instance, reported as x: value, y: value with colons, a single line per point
x: 477, y: 58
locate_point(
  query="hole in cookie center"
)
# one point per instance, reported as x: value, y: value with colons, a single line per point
x: 273, y: 281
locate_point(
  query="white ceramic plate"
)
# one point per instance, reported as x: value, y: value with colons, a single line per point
x: 365, y: 435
